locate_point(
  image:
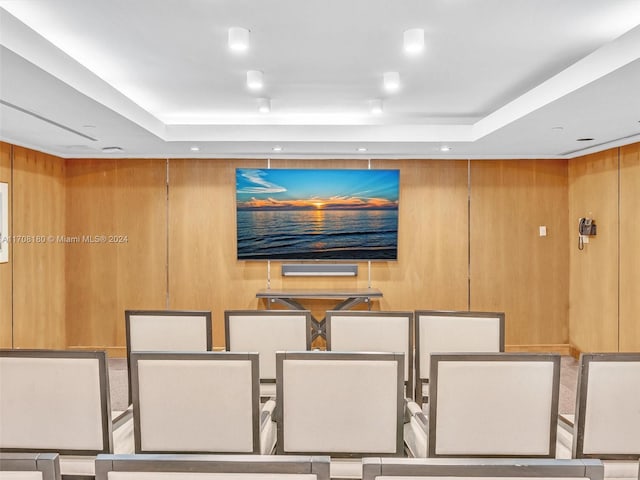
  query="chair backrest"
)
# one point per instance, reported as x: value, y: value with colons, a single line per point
x: 188, y: 467
x: 501, y: 404
x: 54, y: 401
x: 29, y: 466
x: 454, y: 332
x: 607, y: 422
x: 357, y: 331
x: 195, y: 402
x: 166, y: 331
x: 360, y: 398
x: 490, y: 469
x: 266, y: 332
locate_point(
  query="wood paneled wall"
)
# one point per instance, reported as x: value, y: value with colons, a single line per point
x: 178, y: 217
x: 630, y: 248
x: 38, y: 266
x: 513, y: 269
x: 203, y: 270
x: 431, y: 272
x: 117, y: 249
x: 593, y: 293
x: 433, y: 266
x: 6, y: 282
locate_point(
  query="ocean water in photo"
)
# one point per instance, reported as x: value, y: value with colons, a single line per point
x: 320, y: 234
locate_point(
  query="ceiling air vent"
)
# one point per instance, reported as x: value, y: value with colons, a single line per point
x: 48, y: 120
x: 112, y: 149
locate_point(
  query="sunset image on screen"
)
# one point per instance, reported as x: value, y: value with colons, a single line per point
x: 317, y: 214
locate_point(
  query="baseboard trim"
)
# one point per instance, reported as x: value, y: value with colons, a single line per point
x: 560, y: 348
x: 112, y: 352
x: 119, y: 352
x: 575, y: 352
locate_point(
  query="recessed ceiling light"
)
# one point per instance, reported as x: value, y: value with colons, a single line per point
x: 391, y: 81
x: 413, y: 40
x: 112, y: 149
x: 238, y: 39
x: 445, y: 148
x: 361, y: 149
x: 277, y: 148
x: 376, y: 106
x: 195, y: 149
x: 584, y: 139
x: 254, y: 79
x: 264, y: 105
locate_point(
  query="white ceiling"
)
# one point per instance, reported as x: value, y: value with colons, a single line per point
x: 155, y: 77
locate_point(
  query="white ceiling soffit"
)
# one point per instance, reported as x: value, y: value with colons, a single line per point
x: 157, y: 78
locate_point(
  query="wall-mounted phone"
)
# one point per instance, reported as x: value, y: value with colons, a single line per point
x: 586, y: 227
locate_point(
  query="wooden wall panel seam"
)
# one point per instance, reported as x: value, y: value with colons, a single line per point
x: 629, y: 253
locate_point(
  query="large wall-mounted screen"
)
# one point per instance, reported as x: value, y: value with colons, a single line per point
x: 317, y: 214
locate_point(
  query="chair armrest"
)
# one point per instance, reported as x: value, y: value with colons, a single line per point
x: 567, y: 422
x: 412, y: 407
x: 564, y: 436
x: 422, y: 420
x: 121, y: 418
x: 416, y: 430
x: 413, y: 411
x: 266, y: 412
x: 122, y: 427
x: 268, y: 428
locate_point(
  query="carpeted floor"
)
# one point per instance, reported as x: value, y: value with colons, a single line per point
x: 568, y: 383
x: 118, y: 383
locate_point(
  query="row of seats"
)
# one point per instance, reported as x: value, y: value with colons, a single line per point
x: 416, y: 334
x: 339, y: 404
x: 218, y: 467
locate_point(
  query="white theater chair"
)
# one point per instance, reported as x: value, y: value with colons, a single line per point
x: 489, y: 469
x: 340, y: 404
x: 29, y: 466
x: 166, y: 331
x: 607, y: 419
x: 56, y: 401
x: 266, y: 332
x: 192, y: 402
x: 354, y: 331
x: 453, y: 332
x: 487, y: 405
x: 211, y: 467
